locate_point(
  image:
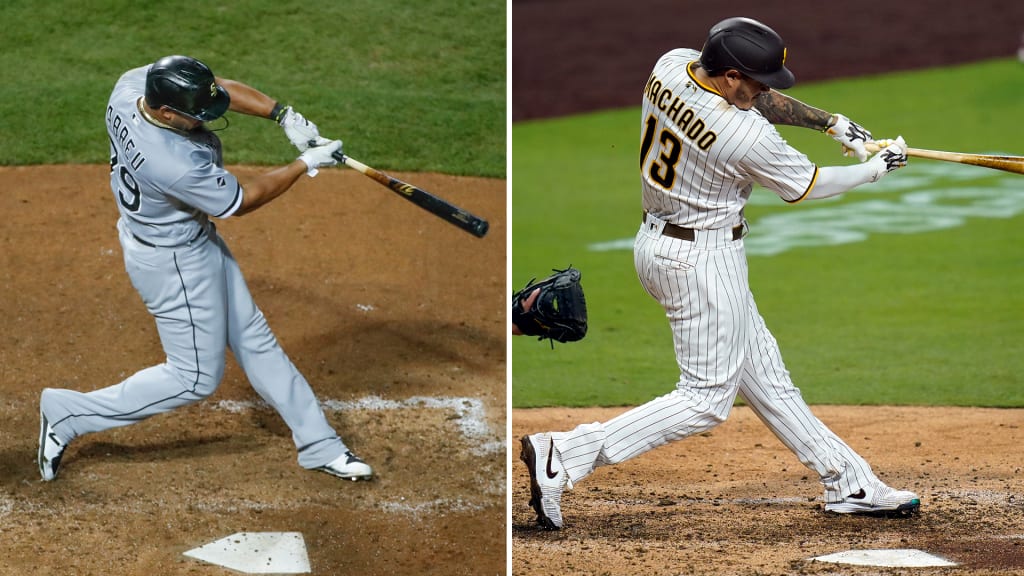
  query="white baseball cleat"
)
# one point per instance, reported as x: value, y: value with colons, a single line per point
x: 51, y: 449
x: 348, y: 466
x: 877, y: 499
x: 547, y: 479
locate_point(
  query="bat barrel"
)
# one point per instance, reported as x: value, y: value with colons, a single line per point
x: 437, y: 206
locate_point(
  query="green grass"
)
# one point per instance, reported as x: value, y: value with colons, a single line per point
x: 935, y: 317
x: 416, y: 86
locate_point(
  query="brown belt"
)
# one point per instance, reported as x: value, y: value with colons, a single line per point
x: 690, y: 234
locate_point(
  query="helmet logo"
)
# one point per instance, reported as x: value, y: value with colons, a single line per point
x: 783, y: 54
x: 213, y: 85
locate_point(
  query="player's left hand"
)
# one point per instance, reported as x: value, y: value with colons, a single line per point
x: 850, y: 134
x: 301, y: 132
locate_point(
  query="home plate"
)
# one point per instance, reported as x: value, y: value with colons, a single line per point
x: 257, y: 553
x: 902, y: 558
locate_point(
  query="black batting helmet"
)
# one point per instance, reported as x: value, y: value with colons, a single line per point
x: 186, y: 86
x: 749, y: 46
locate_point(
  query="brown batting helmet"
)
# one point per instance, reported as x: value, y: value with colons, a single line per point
x: 749, y: 46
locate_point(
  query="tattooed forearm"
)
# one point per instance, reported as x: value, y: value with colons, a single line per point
x: 781, y: 109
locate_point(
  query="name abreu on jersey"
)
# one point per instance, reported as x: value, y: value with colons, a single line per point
x: 118, y: 128
x: 675, y: 109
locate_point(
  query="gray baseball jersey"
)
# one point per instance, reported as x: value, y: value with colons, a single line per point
x: 699, y: 159
x: 166, y: 183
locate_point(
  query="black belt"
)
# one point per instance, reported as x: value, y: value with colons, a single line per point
x: 690, y: 234
x: 151, y: 245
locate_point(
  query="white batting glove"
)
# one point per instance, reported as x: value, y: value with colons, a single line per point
x: 320, y: 156
x: 300, y: 132
x: 850, y: 134
x: 893, y: 156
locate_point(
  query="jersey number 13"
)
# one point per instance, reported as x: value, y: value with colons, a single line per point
x: 662, y: 168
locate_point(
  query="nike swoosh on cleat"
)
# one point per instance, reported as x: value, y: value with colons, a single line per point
x: 551, y: 452
x: 55, y: 439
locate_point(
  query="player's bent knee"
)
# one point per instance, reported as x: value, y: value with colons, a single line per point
x: 695, y: 410
x: 715, y: 414
x: 202, y: 382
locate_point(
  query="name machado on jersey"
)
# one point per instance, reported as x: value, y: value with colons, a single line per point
x: 683, y: 117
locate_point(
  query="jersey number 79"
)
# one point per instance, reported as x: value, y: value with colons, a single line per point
x: 128, y: 194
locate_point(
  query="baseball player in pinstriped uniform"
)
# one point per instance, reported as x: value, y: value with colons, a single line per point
x: 167, y: 177
x: 707, y: 137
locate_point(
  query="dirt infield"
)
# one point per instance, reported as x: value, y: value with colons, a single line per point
x: 736, y: 501
x: 396, y: 318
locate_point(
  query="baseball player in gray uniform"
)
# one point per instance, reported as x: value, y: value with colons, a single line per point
x: 167, y: 177
x: 707, y: 137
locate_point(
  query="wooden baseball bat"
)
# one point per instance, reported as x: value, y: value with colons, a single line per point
x: 1013, y: 164
x: 436, y: 206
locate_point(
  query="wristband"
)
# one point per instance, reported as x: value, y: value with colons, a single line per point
x: 277, y: 112
x: 832, y: 119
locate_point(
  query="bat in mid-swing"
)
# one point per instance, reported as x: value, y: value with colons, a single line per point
x: 1013, y: 164
x: 453, y: 214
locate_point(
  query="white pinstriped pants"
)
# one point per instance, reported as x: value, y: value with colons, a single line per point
x: 723, y: 348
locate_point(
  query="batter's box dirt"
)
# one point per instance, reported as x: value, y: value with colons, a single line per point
x: 446, y: 439
x: 735, y: 501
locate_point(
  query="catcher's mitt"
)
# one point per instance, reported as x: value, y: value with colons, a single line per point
x: 558, y: 313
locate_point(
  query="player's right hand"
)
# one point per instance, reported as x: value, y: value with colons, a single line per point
x: 893, y: 156
x: 320, y: 156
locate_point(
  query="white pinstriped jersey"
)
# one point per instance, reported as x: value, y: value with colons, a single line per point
x: 165, y: 181
x: 700, y: 156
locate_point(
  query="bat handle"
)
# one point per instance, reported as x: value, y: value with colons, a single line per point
x: 360, y: 167
x: 873, y: 146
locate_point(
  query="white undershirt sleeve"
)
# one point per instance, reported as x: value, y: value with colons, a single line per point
x: 834, y: 180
